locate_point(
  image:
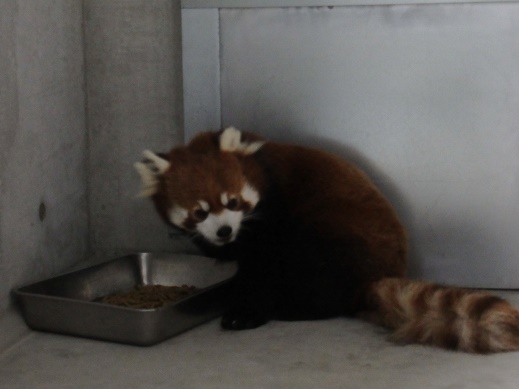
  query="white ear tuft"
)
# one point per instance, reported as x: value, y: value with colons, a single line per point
x: 149, y: 170
x: 251, y: 148
x: 160, y: 163
x: 230, y: 141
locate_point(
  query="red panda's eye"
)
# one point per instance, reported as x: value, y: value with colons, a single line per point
x: 200, y: 214
x: 232, y: 204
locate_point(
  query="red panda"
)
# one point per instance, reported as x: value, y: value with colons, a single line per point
x: 313, y: 238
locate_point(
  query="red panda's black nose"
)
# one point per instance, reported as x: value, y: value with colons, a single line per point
x: 224, y: 232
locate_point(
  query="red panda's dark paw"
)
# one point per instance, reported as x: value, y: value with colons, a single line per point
x: 240, y: 320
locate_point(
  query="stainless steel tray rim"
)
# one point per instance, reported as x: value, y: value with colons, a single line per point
x: 65, y: 303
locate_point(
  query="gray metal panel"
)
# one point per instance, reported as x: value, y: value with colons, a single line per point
x: 314, y: 3
x: 201, y: 68
x: 428, y: 96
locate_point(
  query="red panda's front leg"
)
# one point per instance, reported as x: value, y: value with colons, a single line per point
x: 243, y: 319
x: 254, y: 296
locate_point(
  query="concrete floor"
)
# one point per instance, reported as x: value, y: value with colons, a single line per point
x: 338, y: 353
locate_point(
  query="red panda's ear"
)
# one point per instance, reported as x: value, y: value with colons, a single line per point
x: 234, y: 141
x: 150, y: 169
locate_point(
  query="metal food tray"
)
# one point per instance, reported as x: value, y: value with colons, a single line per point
x: 64, y: 304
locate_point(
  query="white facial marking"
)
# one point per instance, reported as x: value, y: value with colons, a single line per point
x: 210, y: 226
x: 230, y: 141
x: 204, y: 205
x: 224, y: 198
x: 250, y: 195
x: 177, y: 215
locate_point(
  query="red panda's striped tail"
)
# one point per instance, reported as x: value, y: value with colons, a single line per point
x: 448, y: 317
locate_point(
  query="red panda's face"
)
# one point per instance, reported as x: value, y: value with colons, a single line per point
x: 202, y: 193
x: 208, y: 195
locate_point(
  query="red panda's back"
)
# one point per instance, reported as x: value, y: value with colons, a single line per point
x: 340, y: 202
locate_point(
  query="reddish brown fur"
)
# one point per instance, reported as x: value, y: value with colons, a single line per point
x: 342, y: 205
x: 353, y: 205
x: 454, y: 318
x: 220, y: 174
x: 344, y: 190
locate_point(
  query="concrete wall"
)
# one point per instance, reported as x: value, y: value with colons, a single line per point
x: 67, y: 185
x: 133, y: 71
x: 43, y: 143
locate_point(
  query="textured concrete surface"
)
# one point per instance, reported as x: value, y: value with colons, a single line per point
x: 43, y: 149
x: 129, y: 53
x: 336, y: 353
x: 133, y: 71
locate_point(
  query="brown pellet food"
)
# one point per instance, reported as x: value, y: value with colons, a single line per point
x: 148, y: 296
